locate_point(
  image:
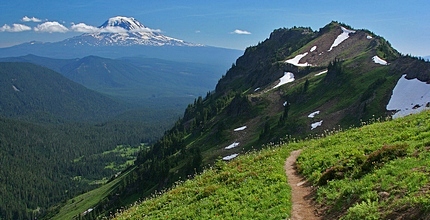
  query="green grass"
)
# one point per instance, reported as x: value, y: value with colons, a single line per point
x: 382, y: 172
x: 127, y: 152
x: 83, y: 202
x: 78, y: 205
x: 366, y: 168
x: 252, y: 187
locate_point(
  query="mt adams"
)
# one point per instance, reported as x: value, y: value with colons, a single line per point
x: 124, y: 31
x: 124, y: 36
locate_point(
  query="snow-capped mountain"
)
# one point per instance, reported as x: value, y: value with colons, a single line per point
x: 124, y: 36
x: 125, y: 31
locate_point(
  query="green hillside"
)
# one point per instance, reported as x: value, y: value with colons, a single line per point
x: 36, y: 93
x: 381, y: 172
x: 266, y: 97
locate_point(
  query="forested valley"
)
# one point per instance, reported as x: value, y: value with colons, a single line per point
x: 43, y: 164
x: 59, y: 139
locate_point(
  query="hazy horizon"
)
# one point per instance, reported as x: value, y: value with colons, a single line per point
x: 226, y: 24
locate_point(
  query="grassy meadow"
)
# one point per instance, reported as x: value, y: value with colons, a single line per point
x: 378, y: 171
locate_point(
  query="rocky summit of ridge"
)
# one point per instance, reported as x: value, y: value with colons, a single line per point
x: 302, y: 50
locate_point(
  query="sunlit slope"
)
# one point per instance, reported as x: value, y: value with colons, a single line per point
x: 382, y: 170
x: 296, y: 83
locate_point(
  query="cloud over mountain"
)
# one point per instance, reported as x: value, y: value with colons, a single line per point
x: 56, y: 27
x: 84, y: 28
x: 51, y: 27
x: 14, y: 28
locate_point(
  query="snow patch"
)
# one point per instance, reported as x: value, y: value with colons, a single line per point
x: 369, y: 37
x: 409, y: 96
x: 230, y: 157
x: 316, y: 124
x: 88, y: 211
x: 320, y: 73
x: 295, y: 61
x: 231, y: 146
x: 287, y: 78
x: 285, y: 103
x: 342, y: 37
x: 16, y: 89
x: 255, y: 90
x: 311, y: 115
x: 313, y: 49
x: 240, y: 128
x: 378, y: 60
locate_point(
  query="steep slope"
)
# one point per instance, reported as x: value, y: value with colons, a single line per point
x: 378, y: 171
x: 296, y: 83
x: 275, y: 86
x: 37, y: 93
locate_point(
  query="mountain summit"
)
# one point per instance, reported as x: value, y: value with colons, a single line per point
x: 127, y: 23
x: 125, y: 31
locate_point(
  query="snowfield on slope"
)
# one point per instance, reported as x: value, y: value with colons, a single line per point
x: 230, y: 157
x: 312, y: 115
x: 342, y: 37
x: 15, y: 89
x: 231, y: 146
x: 287, y: 78
x: 240, y: 128
x: 320, y: 73
x: 409, y: 96
x: 313, y: 49
x: 295, y: 61
x: 316, y: 124
x: 378, y: 60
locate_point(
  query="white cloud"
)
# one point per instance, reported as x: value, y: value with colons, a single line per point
x: 33, y: 19
x: 237, y: 31
x: 51, y: 27
x: 145, y: 29
x: 56, y: 27
x: 110, y: 29
x: 14, y: 28
x: 84, y: 28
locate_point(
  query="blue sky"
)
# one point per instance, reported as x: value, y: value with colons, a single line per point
x: 229, y: 24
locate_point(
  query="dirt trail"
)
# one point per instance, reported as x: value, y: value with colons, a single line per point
x: 301, y: 193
